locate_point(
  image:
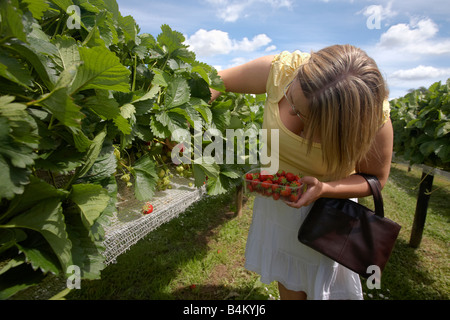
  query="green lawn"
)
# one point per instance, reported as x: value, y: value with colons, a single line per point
x: 200, y: 255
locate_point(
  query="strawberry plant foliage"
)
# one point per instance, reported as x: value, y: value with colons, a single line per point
x: 80, y: 104
x: 421, y: 121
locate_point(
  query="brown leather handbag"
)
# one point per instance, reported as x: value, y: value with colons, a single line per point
x: 350, y: 233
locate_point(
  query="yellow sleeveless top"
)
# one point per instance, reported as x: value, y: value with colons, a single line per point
x: 293, y: 155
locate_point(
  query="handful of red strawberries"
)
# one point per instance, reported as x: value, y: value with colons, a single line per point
x: 282, y: 185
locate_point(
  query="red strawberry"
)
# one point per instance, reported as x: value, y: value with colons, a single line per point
x: 250, y: 187
x: 290, y: 177
x: 263, y: 176
x: 275, y: 196
x: 282, y: 180
x: 281, y: 173
x: 255, y: 183
x: 295, y: 185
x: 293, y: 198
x: 275, y: 187
x: 286, y: 191
x: 249, y: 176
x: 147, y: 208
x: 266, y: 184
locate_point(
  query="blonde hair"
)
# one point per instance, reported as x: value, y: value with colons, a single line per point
x: 346, y: 91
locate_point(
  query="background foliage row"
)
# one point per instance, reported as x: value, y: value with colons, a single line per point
x: 421, y: 122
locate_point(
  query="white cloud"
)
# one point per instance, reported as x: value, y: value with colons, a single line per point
x: 415, y: 37
x: 210, y: 43
x: 271, y: 48
x: 214, y: 42
x: 233, y: 10
x: 257, y: 42
x: 420, y: 72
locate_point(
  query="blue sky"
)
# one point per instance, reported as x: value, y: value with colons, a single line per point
x: 410, y: 40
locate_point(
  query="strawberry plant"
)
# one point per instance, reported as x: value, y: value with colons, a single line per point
x: 421, y: 121
x: 82, y: 104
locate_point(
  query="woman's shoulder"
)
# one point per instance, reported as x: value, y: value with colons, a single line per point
x: 284, y: 68
x: 291, y: 58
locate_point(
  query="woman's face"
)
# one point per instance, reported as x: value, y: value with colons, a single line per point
x: 297, y: 100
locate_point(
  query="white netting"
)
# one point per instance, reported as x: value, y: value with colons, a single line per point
x: 129, y: 225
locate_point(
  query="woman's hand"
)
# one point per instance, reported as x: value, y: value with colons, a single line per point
x: 314, y: 189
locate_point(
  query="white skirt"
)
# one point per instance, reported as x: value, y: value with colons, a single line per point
x: 274, y: 252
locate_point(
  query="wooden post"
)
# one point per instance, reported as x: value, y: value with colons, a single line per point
x: 421, y: 208
x: 239, y: 199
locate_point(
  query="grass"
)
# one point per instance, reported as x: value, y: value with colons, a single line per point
x: 200, y: 255
x: 422, y: 273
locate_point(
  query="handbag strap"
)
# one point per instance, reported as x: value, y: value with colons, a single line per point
x: 375, y: 186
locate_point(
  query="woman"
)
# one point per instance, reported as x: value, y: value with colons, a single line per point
x: 331, y: 110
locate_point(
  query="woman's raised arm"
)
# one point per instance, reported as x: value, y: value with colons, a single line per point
x: 250, y: 77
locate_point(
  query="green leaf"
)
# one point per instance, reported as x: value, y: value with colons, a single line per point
x: 9, y: 238
x: 23, y: 127
x: 173, y: 40
x: 128, y: 26
x: 202, y: 72
x: 12, y: 263
x: 37, y: 7
x: 13, y: 179
x: 67, y: 52
x: 20, y: 155
x: 104, y: 167
x: 63, y: 108
x: 148, y: 95
x: 17, y: 279
x: 161, y: 78
x: 13, y: 70
x: 145, y: 178
x: 82, y: 143
x: 93, y: 152
x: 442, y: 130
x: 230, y: 172
x: 158, y: 129
x: 189, y: 113
x: 46, y: 218
x: 40, y: 63
x: 205, y: 111
x: 217, y: 185
x: 171, y: 120
x: 221, y: 117
x: 63, y: 4
x: 177, y: 93
x: 123, y: 125
x: 113, y: 8
x: 91, y: 199
x: 208, y: 166
x: 103, y: 105
x: 40, y: 258
x: 12, y: 25
x: 199, y: 175
x: 35, y: 192
x: 101, y: 69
